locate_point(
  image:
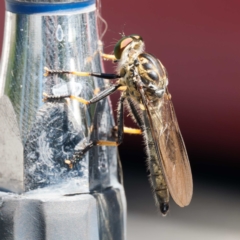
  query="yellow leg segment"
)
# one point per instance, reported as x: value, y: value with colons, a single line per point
x: 108, y: 57
x: 45, y: 96
x: 81, y: 74
x: 96, y: 91
x: 106, y: 143
x: 132, y: 130
x: 79, y: 99
x: 129, y: 130
x: 122, y: 88
x: 69, y: 163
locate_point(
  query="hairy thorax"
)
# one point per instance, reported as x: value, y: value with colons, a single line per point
x: 149, y: 71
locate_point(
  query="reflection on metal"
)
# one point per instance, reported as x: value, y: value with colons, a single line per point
x: 37, y: 137
x: 107, y: 210
x: 11, y: 149
x: 49, y: 217
x: 59, y: 33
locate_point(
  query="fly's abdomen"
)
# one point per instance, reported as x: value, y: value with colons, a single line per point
x: 156, y: 177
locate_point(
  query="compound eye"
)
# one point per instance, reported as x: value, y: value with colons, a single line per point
x: 121, y: 45
x: 136, y: 37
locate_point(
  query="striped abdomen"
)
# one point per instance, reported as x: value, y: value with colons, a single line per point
x: 156, y: 177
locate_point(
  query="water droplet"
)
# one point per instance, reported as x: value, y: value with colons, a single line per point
x: 59, y: 33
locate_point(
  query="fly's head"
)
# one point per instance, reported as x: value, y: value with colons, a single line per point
x: 128, y: 48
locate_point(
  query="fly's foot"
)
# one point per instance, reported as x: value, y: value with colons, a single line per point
x: 70, y: 163
x: 77, y: 157
x: 52, y: 72
x: 79, y: 152
x: 53, y: 98
x: 47, y: 70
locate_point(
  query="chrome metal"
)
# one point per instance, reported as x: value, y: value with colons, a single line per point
x: 49, y: 1
x: 36, y: 137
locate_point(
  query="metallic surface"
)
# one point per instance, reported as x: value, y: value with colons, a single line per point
x: 49, y: 215
x: 47, y: 1
x: 37, y: 137
x: 39, y: 7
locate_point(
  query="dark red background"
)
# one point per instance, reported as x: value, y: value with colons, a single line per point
x: 199, y: 44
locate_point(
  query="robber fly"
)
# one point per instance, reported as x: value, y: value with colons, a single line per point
x: 143, y: 80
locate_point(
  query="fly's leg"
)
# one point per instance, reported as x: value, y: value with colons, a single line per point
x: 81, y: 74
x: 103, y: 55
x: 81, y: 150
x: 120, y: 130
x: 105, y: 93
x: 126, y: 130
x: 100, y: 96
x: 95, y: 99
x: 108, y: 57
x: 135, y: 114
x: 129, y: 130
x: 120, y: 121
x: 79, y: 153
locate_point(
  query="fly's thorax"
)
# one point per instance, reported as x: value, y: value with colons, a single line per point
x: 153, y: 75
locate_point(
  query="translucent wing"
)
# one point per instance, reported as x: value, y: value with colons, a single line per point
x: 171, y: 149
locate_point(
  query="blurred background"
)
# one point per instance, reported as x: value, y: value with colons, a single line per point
x: 199, y: 44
